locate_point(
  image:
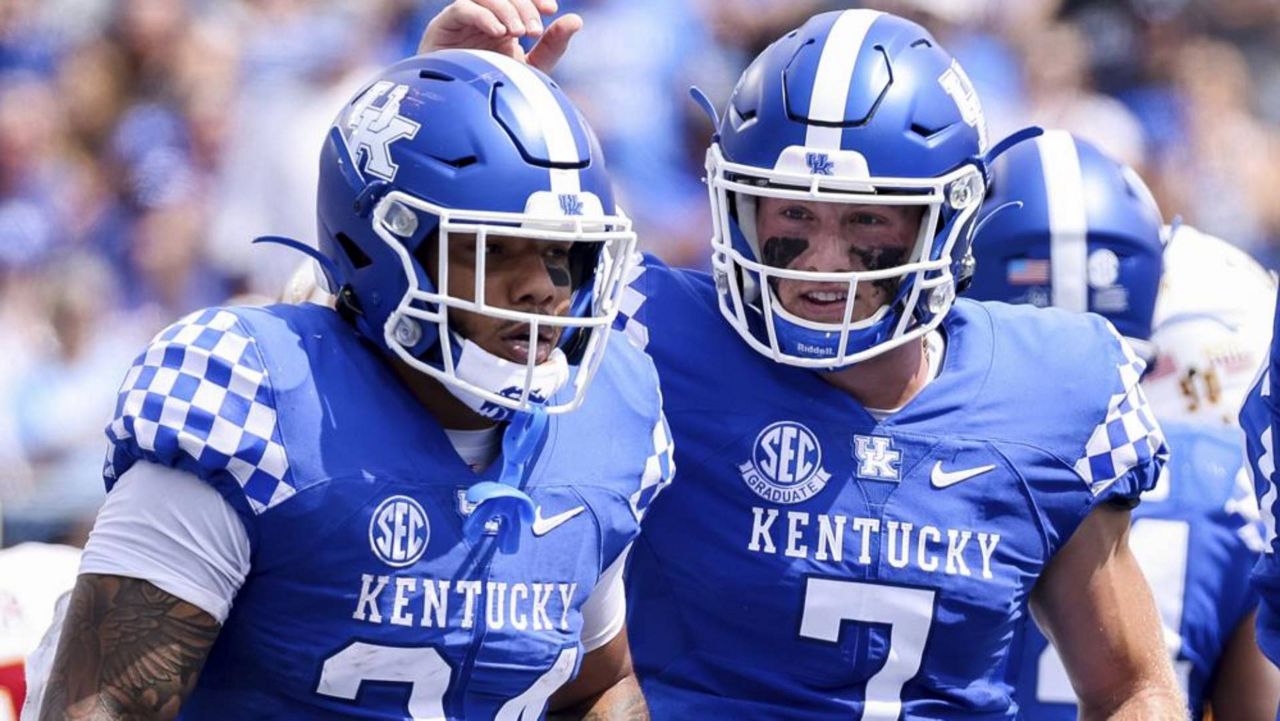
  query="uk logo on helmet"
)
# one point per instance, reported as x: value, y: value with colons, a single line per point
x: 399, y: 531
x: 372, y: 130
x: 819, y: 163
x: 570, y: 204
x: 786, y: 464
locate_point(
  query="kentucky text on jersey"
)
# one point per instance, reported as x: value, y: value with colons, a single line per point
x: 428, y: 602
x: 823, y: 537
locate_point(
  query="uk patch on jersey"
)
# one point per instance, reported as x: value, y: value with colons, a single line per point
x: 785, y: 464
x: 877, y: 458
x: 200, y: 391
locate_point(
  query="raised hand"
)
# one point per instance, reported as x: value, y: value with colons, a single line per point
x: 498, y: 25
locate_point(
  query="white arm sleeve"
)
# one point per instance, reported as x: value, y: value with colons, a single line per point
x: 605, y: 611
x: 168, y: 527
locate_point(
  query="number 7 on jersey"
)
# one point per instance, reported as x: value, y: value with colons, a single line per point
x: 907, y: 611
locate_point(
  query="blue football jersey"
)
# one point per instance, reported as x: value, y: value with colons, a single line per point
x: 813, y: 563
x: 1196, y: 535
x: 364, y: 599
x: 1259, y: 418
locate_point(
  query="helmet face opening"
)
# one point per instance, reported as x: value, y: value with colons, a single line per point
x: 800, y: 311
x: 854, y: 108
x: 583, y: 320
x: 429, y: 175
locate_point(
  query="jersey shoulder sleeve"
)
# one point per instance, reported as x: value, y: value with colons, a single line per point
x: 201, y: 399
x: 1076, y: 385
x: 655, y: 295
x: 624, y: 413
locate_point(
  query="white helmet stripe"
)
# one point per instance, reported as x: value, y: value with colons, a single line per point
x: 830, y: 91
x: 556, y: 132
x: 1068, y: 223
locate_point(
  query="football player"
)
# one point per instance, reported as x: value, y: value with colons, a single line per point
x: 1260, y: 417
x: 1067, y: 226
x: 875, y: 481
x: 386, y: 510
x: 1210, y: 330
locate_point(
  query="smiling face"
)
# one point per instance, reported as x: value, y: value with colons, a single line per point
x: 521, y: 274
x: 833, y: 238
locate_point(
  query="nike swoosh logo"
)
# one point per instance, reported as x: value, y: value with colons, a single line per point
x: 943, y: 479
x: 543, y: 526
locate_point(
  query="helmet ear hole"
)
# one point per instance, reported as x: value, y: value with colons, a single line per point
x: 359, y: 259
x: 348, y: 305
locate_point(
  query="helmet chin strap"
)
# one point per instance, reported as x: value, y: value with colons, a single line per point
x: 478, y: 367
x: 502, y: 502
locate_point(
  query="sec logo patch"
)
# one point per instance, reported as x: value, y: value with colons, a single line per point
x: 786, y: 464
x: 399, y: 531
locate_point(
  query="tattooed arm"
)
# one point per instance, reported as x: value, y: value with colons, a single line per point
x: 129, y: 652
x: 605, y: 690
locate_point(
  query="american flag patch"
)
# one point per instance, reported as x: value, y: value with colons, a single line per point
x: 1028, y: 271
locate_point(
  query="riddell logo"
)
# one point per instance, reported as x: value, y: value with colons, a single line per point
x: 815, y: 350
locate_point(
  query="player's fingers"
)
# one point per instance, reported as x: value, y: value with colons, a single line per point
x: 457, y: 22
x: 530, y: 14
x: 547, y: 7
x: 554, y: 42
x: 507, y: 13
x: 511, y: 48
x: 471, y: 15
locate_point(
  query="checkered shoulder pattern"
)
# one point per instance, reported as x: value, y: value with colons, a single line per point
x: 199, y: 399
x: 630, y: 318
x: 659, y: 468
x: 1128, y: 436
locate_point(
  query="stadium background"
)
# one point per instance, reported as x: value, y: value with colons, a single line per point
x: 144, y: 143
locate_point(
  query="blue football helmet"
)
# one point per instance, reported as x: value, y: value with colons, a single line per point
x: 472, y: 143
x: 1066, y: 225
x: 855, y: 106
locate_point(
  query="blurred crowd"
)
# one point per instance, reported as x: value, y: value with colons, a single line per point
x: 144, y: 143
